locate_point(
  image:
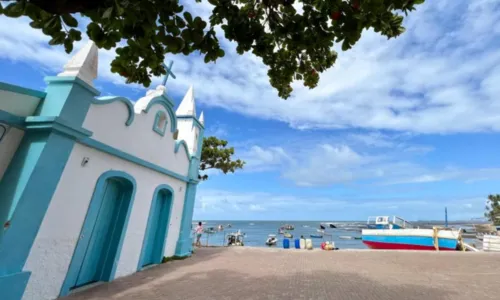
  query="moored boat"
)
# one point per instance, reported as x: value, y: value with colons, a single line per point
x: 288, y: 235
x: 397, y: 234
x: 316, y: 236
x: 271, y: 240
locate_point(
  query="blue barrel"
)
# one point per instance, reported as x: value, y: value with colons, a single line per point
x: 297, y: 243
x: 286, y: 243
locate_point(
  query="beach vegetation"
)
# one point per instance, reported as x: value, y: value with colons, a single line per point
x: 493, y: 209
x: 216, y: 154
x: 294, y: 38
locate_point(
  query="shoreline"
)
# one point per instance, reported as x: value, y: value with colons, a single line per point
x: 278, y: 249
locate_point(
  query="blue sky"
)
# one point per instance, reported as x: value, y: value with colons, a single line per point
x: 404, y: 126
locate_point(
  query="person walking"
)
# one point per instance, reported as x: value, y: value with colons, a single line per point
x: 199, y: 231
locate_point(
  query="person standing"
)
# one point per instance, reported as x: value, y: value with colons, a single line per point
x: 199, y: 231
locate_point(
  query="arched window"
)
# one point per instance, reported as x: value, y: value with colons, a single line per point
x: 160, y: 123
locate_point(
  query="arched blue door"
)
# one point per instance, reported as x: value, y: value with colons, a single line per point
x: 97, y: 250
x: 157, y: 229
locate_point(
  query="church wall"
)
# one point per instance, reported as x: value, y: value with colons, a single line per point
x: 10, y: 138
x: 54, y: 245
x: 107, y: 122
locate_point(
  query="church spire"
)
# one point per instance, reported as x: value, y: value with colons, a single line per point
x: 202, y: 119
x: 187, y: 106
x: 83, y: 64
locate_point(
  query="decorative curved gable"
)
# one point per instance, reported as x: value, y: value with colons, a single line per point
x: 182, y: 144
x: 111, y: 99
x: 157, y: 97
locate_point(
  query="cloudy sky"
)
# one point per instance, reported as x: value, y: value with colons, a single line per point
x: 404, y: 126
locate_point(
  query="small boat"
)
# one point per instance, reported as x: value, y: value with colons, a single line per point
x: 320, y: 230
x: 322, y: 227
x: 210, y: 230
x: 397, y: 234
x: 229, y: 226
x: 220, y: 227
x: 271, y: 240
x: 288, y: 235
x: 235, y: 239
x: 346, y: 237
x: 330, y: 225
x: 316, y: 236
x: 288, y: 227
x: 281, y: 230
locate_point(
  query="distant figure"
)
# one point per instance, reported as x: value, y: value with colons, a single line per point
x: 199, y: 232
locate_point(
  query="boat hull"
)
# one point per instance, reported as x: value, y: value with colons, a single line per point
x: 410, y: 239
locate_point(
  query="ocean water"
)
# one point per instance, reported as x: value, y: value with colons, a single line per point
x: 257, y: 232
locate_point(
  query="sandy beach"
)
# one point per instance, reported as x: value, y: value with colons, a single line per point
x: 259, y: 273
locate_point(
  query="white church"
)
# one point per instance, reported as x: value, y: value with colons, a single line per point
x: 92, y: 188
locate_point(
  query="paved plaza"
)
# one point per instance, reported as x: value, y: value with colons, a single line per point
x: 254, y: 273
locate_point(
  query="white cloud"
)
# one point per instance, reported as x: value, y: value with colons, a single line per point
x: 260, y: 159
x: 231, y: 205
x: 440, y: 76
x: 329, y: 164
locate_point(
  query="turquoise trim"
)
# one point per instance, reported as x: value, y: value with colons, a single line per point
x: 152, y: 211
x: 156, y: 128
x: 88, y: 226
x: 131, y: 158
x: 182, y: 143
x: 168, y: 104
x: 10, y: 119
x: 14, y: 285
x: 111, y: 99
x: 71, y: 79
x: 56, y: 124
x: 26, y: 190
x: 198, y: 123
x: 68, y: 98
x: 184, y: 245
x: 21, y: 90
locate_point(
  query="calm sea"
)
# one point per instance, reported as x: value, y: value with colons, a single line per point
x: 258, y: 231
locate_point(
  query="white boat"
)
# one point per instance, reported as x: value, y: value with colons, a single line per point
x: 271, y: 240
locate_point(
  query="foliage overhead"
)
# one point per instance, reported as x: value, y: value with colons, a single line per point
x: 294, y: 44
x: 215, y: 155
x: 493, y: 209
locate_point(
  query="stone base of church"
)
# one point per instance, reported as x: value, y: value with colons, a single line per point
x: 13, y: 285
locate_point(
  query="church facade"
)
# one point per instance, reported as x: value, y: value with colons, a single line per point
x: 92, y: 188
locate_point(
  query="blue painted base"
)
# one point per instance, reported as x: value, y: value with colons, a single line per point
x: 408, y: 242
x: 184, y: 247
x: 12, y: 286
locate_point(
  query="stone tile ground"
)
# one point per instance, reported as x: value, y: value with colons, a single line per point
x: 253, y: 273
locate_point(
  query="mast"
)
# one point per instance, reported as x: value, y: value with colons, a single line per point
x: 445, y: 217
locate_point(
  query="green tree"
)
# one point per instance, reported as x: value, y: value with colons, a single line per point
x: 493, y: 209
x: 294, y: 45
x: 215, y: 155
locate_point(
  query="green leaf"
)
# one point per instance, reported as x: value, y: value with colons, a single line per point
x: 69, y: 20
x: 75, y: 35
x: 221, y: 53
x: 107, y: 13
x: 14, y: 10
x: 68, y: 45
x: 188, y: 17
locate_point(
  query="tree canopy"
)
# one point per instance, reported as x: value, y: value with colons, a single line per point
x: 493, y: 209
x: 215, y: 155
x: 294, y: 44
